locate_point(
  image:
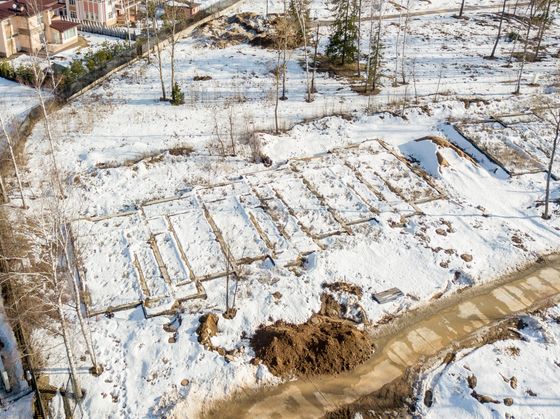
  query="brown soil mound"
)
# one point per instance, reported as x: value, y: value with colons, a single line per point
x: 239, y: 29
x: 207, y: 329
x: 322, y: 345
x: 341, y: 286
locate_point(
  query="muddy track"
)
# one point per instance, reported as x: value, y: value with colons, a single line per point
x: 405, y: 343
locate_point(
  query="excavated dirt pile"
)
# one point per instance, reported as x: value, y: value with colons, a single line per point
x: 325, y: 344
x: 242, y: 28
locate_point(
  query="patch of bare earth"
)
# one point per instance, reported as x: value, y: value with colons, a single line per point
x: 397, y: 399
x: 325, y: 344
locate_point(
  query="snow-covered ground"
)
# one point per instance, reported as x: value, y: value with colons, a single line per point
x: 485, y: 214
x: 416, y: 215
x: 322, y: 9
x: 16, y: 100
x: 524, y: 371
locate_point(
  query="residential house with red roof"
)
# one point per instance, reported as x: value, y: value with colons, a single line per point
x: 30, y: 25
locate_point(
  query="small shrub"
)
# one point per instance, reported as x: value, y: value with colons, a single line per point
x: 75, y: 71
x: 513, y: 36
x: 177, y: 96
x: 25, y: 75
x: 106, y: 53
x: 7, y: 70
x: 181, y: 150
x: 202, y: 78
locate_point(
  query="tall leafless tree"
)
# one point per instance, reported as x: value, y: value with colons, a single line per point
x: 555, y: 116
x: 405, y: 36
x: 152, y: 10
x: 525, y: 46
x: 301, y: 15
x: 499, y: 29
x: 41, y: 68
x: 173, y: 40
x: 13, y: 158
x: 462, y: 8
x: 315, y: 53
x: 542, y: 27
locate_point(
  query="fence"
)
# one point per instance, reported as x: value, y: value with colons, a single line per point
x: 101, y: 29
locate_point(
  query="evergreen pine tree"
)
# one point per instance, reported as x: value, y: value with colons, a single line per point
x: 177, y: 96
x: 342, y: 46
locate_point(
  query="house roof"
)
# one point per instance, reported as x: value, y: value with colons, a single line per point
x: 26, y: 7
x: 63, y: 25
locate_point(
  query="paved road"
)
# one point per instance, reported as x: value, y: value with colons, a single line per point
x: 417, y: 336
x: 497, y: 6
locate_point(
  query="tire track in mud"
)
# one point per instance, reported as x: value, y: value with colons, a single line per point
x: 404, y: 343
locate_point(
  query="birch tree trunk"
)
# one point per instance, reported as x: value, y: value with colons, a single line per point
x: 546, y: 215
x: 303, y: 27
x: 173, y: 42
x: 524, y: 57
x: 14, y: 162
x: 86, y: 333
x: 499, y: 30
x: 69, y: 352
x: 159, y: 58
x: 542, y: 29
x: 313, y: 88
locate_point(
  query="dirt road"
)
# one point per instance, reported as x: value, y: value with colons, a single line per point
x: 413, y: 337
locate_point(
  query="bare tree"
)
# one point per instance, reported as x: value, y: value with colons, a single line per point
x: 231, y: 126
x: 48, y: 232
x: 13, y: 158
x: 173, y: 16
x: 285, y: 31
x: 39, y: 288
x: 405, y: 33
x: 555, y: 115
x: 277, y: 98
x: 147, y: 22
x: 359, y: 37
x: 65, y: 243
x: 440, y: 76
x: 152, y: 11
x: 524, y: 56
x: 499, y: 29
x: 126, y: 18
x: 542, y: 27
x: 462, y: 8
x: 315, y: 53
x: 301, y: 15
x: 41, y: 68
x: 373, y: 68
x: 397, y: 43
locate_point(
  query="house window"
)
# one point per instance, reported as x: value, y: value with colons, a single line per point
x: 72, y: 1
x: 69, y: 34
x: 73, y: 14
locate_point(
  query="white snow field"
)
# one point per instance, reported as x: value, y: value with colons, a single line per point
x: 141, y: 256
x: 524, y: 370
x: 16, y: 100
x: 160, y: 215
